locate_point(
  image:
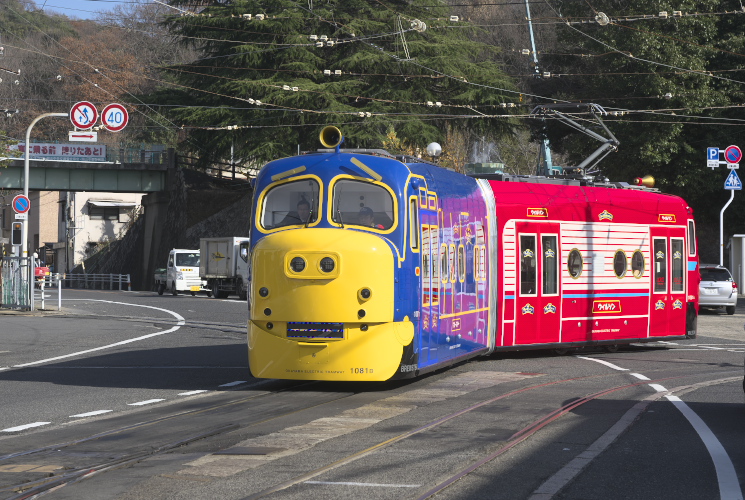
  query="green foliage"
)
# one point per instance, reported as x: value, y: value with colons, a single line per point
x: 5, y: 143
x: 673, y: 114
x: 244, y: 61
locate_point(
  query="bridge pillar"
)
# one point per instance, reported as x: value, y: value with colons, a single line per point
x: 156, y: 207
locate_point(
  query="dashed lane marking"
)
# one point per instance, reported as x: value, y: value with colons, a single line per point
x: 149, y: 401
x: 657, y: 387
x: 24, y: 427
x: 90, y: 413
x: 639, y: 376
x: 191, y: 393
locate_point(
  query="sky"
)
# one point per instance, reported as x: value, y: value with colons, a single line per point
x: 80, y: 9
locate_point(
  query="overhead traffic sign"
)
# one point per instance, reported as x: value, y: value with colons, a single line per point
x: 733, y: 181
x: 83, y: 115
x: 114, y: 117
x: 732, y: 154
x: 21, y: 204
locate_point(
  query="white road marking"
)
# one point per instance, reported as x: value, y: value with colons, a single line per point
x: 24, y: 427
x: 231, y: 384
x: 710, y: 347
x: 603, y: 362
x: 639, y: 376
x: 90, y: 413
x: 181, y: 322
x: 657, y: 387
x: 378, y: 485
x: 192, y: 392
x: 729, y: 486
x: 566, y: 474
x: 149, y: 401
x: 666, y: 342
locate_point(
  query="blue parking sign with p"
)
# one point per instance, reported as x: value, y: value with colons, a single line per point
x: 712, y: 153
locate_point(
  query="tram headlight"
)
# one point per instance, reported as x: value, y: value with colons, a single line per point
x: 263, y: 291
x: 364, y: 293
x: 327, y: 264
x: 297, y: 264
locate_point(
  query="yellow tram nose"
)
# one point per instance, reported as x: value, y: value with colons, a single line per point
x: 321, y: 275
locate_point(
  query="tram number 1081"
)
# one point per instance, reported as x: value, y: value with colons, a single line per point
x: 361, y: 371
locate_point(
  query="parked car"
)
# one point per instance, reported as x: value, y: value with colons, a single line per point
x: 717, y: 288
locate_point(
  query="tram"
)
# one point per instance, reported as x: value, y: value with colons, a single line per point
x: 370, y: 267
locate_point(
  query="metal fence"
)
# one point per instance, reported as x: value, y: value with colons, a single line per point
x: 15, y: 282
x: 97, y: 281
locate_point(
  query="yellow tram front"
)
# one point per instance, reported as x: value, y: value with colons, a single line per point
x: 323, y: 262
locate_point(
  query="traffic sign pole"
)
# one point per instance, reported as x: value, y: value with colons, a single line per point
x: 721, y: 228
x: 24, y: 243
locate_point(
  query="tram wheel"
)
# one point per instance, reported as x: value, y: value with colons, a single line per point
x: 562, y: 351
x: 611, y: 348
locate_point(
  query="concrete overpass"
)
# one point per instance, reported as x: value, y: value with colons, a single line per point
x: 46, y: 175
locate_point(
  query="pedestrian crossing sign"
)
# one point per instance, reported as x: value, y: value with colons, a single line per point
x: 733, y: 182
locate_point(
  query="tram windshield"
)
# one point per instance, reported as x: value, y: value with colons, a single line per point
x: 292, y: 203
x: 358, y: 203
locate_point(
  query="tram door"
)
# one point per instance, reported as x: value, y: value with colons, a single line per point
x: 429, y: 281
x: 667, y: 308
x: 538, y: 311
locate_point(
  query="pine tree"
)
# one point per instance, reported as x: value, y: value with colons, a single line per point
x: 272, y: 74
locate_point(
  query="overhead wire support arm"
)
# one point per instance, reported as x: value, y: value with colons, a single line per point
x: 610, y: 143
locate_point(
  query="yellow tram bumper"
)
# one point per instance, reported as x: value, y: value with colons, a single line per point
x: 372, y: 355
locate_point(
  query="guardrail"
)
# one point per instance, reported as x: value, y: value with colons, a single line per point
x: 97, y: 281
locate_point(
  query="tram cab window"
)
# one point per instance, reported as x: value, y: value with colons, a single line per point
x: 292, y: 203
x: 358, y: 203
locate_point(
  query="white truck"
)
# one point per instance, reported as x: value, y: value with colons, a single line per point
x: 224, y: 265
x: 181, y: 273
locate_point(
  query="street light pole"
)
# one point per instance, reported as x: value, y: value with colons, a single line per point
x: 24, y: 234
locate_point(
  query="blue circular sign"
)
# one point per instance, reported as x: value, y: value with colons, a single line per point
x: 732, y: 154
x: 21, y: 204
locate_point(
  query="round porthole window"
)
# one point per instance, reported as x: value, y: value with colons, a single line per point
x: 574, y: 263
x: 637, y: 264
x: 620, y: 263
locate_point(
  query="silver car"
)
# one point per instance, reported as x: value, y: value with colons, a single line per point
x: 717, y: 288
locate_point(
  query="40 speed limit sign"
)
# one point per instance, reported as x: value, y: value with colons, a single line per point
x: 114, y: 117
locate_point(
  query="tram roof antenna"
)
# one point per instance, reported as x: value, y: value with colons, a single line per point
x: 610, y: 143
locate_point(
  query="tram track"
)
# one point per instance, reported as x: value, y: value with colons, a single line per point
x: 43, y: 486
x: 517, y: 438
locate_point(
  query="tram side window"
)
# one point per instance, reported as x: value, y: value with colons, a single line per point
x: 619, y: 263
x: 660, y: 265
x: 574, y: 263
x: 550, y: 265
x: 352, y: 202
x: 691, y: 238
x: 678, y: 273
x: 637, y: 264
x: 292, y: 203
x: 527, y: 265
